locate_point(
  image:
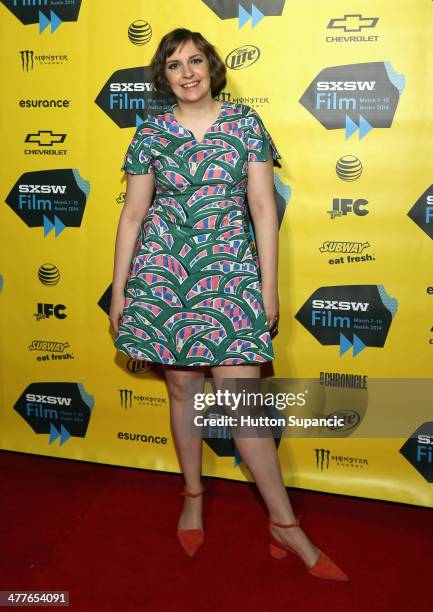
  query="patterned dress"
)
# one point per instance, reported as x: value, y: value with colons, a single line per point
x: 193, y: 293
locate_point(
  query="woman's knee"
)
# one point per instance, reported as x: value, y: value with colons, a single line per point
x: 183, y: 385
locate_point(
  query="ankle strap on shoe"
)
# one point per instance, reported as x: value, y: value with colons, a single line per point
x: 295, y: 524
x: 187, y: 493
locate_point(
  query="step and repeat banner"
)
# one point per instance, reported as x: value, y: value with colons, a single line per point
x: 346, y: 96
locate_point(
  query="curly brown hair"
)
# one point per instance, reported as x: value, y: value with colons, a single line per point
x: 168, y: 45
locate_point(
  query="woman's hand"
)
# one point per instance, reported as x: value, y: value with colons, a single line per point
x: 116, y: 309
x: 272, y: 307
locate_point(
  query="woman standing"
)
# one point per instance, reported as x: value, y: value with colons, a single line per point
x: 188, y: 292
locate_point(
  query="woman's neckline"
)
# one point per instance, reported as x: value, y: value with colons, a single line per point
x: 220, y: 112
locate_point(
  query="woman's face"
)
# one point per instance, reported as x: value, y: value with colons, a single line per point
x: 187, y: 72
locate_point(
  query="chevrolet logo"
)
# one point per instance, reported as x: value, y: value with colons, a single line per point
x: 45, y: 138
x: 353, y: 23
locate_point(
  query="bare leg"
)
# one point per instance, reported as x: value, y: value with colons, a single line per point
x: 189, y: 449
x: 261, y: 458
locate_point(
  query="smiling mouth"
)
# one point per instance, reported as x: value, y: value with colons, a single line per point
x: 190, y: 85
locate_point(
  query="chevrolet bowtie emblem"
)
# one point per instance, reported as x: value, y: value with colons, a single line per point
x: 45, y: 138
x: 353, y: 23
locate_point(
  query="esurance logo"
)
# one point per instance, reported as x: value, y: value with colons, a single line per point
x: 246, y: 10
x: 354, y: 97
x: 52, y: 199
x: 44, y: 12
x: 349, y: 316
x: 422, y: 212
x: 418, y: 450
x: 129, y: 96
x: 242, y: 57
x: 59, y: 409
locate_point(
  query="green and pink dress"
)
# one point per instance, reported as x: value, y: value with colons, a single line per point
x: 193, y: 293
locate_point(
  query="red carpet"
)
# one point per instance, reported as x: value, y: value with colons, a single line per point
x: 107, y: 535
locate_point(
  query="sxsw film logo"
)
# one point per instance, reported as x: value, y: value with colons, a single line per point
x: 44, y: 12
x: 342, y: 206
x: 242, y: 57
x: 349, y: 316
x: 418, y: 450
x: 354, y: 97
x: 60, y: 409
x: 129, y: 96
x: 52, y: 199
x: 46, y: 311
x: 45, y: 140
x: 346, y: 252
x: 29, y: 59
x: 422, y: 212
x: 352, y: 28
x: 244, y: 10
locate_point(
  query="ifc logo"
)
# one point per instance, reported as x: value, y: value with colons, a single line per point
x: 140, y: 32
x: 49, y: 274
x: 348, y: 168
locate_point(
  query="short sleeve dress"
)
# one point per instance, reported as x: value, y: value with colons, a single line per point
x: 193, y: 292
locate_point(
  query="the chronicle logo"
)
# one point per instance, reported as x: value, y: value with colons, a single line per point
x: 46, y: 311
x: 44, y: 12
x: 49, y: 274
x: 244, y: 10
x: 422, y: 212
x: 60, y: 409
x: 418, y: 450
x: 348, y: 168
x: 45, y: 140
x: 140, y: 32
x: 354, y: 97
x: 242, y: 57
x: 349, y: 316
x: 52, y: 199
x: 323, y: 459
x: 129, y: 96
x: 29, y: 59
x: 54, y: 350
x: 351, y: 28
x: 342, y: 206
x: 346, y: 252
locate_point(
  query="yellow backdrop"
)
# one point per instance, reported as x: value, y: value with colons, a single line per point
x: 347, y: 99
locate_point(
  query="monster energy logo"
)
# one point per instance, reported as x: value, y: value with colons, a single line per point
x: 125, y: 398
x: 26, y: 60
x: 321, y: 455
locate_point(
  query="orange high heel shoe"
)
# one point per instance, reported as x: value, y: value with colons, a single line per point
x: 323, y: 568
x: 190, y: 539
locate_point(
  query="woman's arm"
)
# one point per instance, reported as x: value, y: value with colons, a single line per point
x: 260, y: 192
x: 139, y: 192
